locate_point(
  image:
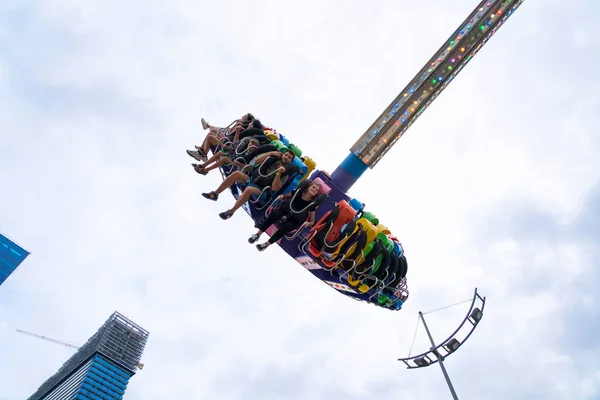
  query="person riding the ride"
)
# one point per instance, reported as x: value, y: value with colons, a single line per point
x: 297, y: 208
x: 271, y: 170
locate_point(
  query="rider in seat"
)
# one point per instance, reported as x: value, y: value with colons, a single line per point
x: 224, y: 156
x: 291, y: 214
x: 274, y: 177
x: 213, y: 138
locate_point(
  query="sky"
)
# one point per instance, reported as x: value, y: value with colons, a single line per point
x: 496, y: 186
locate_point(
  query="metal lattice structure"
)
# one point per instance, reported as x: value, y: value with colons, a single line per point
x: 433, y: 78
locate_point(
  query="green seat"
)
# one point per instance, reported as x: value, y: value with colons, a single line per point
x: 371, y: 218
x: 295, y: 150
x: 384, y: 300
x: 387, y: 244
x: 279, y: 145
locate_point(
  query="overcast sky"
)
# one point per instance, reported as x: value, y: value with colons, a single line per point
x: 496, y: 186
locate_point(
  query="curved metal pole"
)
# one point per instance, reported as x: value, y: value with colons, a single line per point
x: 440, y: 359
x: 435, y: 349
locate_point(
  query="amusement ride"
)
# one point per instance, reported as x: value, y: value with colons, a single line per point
x: 344, y: 244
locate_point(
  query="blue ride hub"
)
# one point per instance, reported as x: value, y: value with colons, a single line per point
x: 348, y: 172
x: 307, y: 260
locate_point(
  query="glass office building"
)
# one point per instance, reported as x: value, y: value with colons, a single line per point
x: 101, y: 368
x: 11, y: 256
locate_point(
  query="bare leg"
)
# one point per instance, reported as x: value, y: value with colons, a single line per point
x: 211, y: 140
x: 213, y: 158
x: 236, y: 177
x: 246, y: 194
x: 218, y: 164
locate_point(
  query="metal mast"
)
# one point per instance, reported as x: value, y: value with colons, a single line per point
x: 438, y: 353
x: 423, y: 89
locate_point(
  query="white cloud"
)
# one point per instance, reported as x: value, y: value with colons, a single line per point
x: 102, y: 99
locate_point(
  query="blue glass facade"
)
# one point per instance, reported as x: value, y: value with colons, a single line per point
x: 97, y: 379
x: 105, y: 380
x: 11, y: 256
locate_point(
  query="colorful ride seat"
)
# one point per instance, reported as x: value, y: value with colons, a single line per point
x: 377, y: 272
x: 393, y: 270
x: 376, y: 262
x: 383, y: 229
x: 328, y: 231
x: 228, y: 169
x: 344, y: 244
x: 356, y: 243
x: 371, y: 252
x: 284, y: 140
x: 392, y: 276
x: 265, y: 148
x: 279, y: 145
x: 293, y: 181
x: 318, y: 200
x: 353, y: 249
x: 350, y: 242
x: 295, y: 149
x: 397, y: 245
x: 391, y: 292
x: 372, y: 218
x: 255, y: 134
x: 295, y: 170
x: 347, y: 243
x: 357, y: 205
x: 342, y: 228
x: 311, y: 164
x: 380, y: 273
x: 372, y: 233
x: 271, y: 135
x: 387, y: 244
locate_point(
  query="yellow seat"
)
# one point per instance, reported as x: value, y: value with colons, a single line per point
x: 271, y: 135
x: 311, y: 164
x: 371, y: 232
x: 357, y: 283
x: 383, y: 229
x: 363, y: 288
x: 343, y: 242
x: 352, y: 281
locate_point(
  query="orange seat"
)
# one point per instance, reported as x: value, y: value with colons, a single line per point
x: 326, y: 232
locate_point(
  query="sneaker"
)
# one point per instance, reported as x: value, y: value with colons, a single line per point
x: 205, y: 124
x: 253, y: 238
x: 195, y: 154
x: 262, y: 246
x: 198, y: 168
x: 226, y: 214
x: 211, y: 196
x: 202, y: 155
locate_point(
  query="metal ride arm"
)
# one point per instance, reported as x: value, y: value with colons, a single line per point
x: 433, y: 78
x: 423, y: 89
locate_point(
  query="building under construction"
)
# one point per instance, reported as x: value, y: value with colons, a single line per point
x: 101, y: 368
